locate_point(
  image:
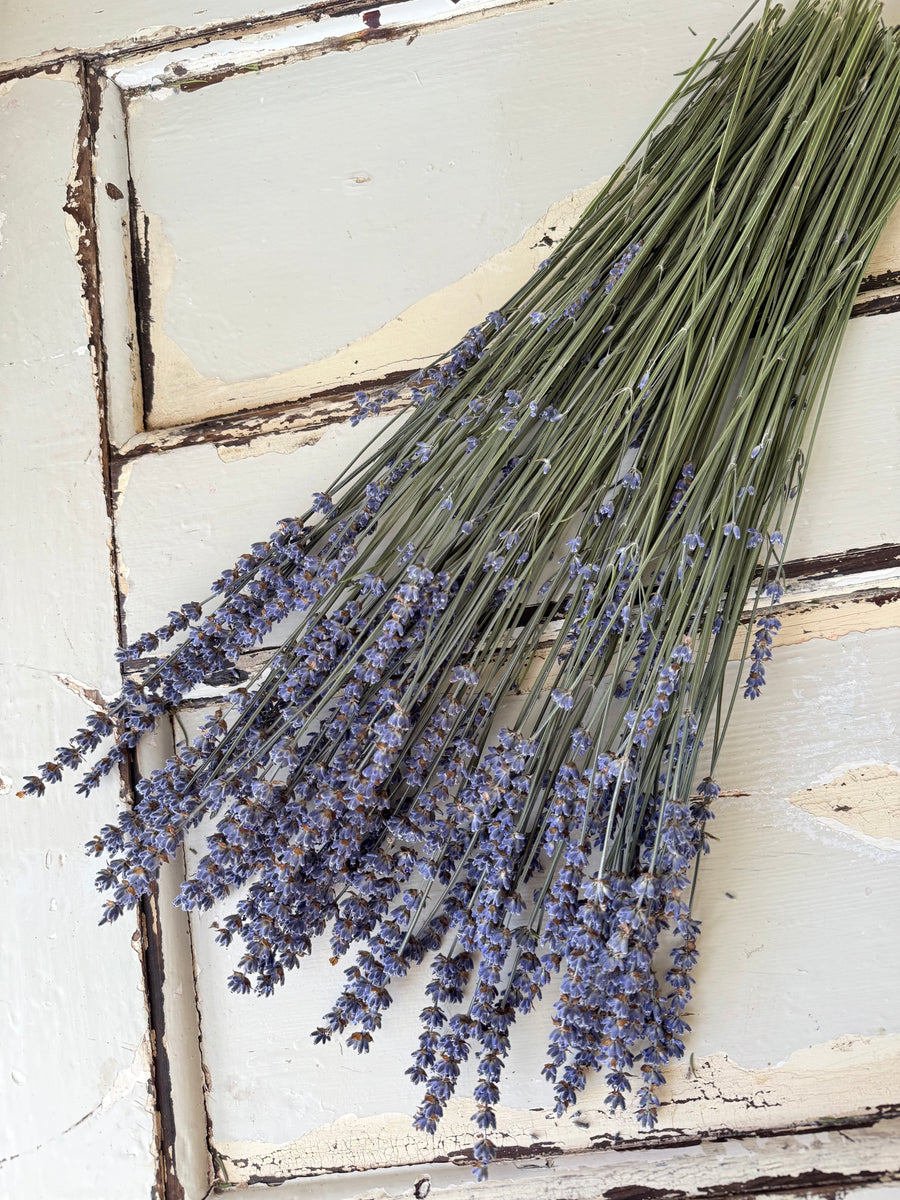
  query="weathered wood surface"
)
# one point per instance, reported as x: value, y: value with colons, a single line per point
x: 33, y: 33
x: 185, y: 514
x: 761, y: 1061
x: 177, y: 1026
x: 794, y: 1014
x: 390, y: 226
x: 816, y: 1166
x: 76, y: 1093
x: 382, y: 196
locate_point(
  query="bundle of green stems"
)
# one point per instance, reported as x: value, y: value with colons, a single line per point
x: 569, y: 518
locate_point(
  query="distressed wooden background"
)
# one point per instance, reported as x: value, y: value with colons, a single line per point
x: 213, y: 224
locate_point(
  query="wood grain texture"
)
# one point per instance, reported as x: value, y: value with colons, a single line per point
x: 76, y: 1086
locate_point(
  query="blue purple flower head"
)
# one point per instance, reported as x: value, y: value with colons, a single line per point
x: 361, y: 790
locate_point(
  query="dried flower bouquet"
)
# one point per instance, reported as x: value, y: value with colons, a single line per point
x: 582, y: 493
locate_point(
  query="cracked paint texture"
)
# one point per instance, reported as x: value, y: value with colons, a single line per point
x: 714, y: 1093
x: 76, y: 1087
x: 864, y: 800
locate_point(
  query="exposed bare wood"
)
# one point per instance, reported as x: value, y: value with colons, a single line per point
x: 828, y: 1163
x: 403, y: 20
x: 80, y: 1114
x: 182, y: 38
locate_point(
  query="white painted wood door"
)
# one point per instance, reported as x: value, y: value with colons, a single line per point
x: 265, y: 215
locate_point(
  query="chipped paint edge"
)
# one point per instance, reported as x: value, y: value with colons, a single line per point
x: 870, y: 805
x: 825, y: 1161
x: 437, y: 319
x: 759, y: 1101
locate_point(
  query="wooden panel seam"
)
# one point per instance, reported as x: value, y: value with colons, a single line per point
x: 200, y: 35
x: 305, y: 414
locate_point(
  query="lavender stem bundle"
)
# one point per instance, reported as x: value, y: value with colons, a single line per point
x: 579, y: 497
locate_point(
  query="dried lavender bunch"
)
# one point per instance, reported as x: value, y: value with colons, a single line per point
x: 571, y: 507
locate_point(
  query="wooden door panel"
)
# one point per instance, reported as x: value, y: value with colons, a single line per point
x: 185, y: 514
x: 426, y: 175
x: 333, y: 217
x: 77, y: 1085
x: 348, y: 216
x: 794, y: 1015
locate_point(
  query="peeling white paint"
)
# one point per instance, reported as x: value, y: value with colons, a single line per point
x: 74, y: 1025
x: 91, y: 696
x: 834, y: 619
x: 169, y: 68
x: 886, y: 254
x: 836, y: 1078
x: 278, y: 267
x: 412, y: 339
x: 271, y: 443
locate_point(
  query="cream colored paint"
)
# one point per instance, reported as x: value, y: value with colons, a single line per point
x: 831, y: 619
x: 269, y: 443
x: 830, y: 1078
x: 282, y: 259
x: 736, y: 1166
x: 886, y: 255
x: 430, y: 325
x: 865, y: 800
x: 76, y: 1102
x: 405, y: 343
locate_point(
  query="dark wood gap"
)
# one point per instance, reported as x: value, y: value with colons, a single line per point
x: 845, y: 562
x: 873, y: 283
x: 878, y: 306
x: 353, y: 40
x: 154, y: 978
x: 139, y: 246
x: 81, y: 206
